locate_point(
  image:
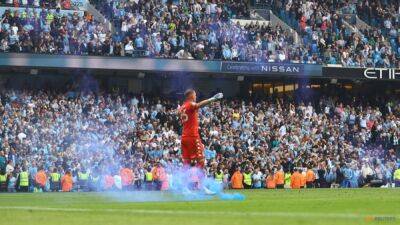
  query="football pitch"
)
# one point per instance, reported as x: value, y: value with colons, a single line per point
x: 317, y: 206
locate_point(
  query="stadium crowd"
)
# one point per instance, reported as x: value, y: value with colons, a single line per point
x: 202, y: 30
x: 52, y: 4
x: 53, y: 32
x: 383, y: 15
x: 149, y: 29
x: 85, y: 142
x: 322, y: 24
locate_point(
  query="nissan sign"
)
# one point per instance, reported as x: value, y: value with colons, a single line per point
x: 272, y: 68
x: 248, y: 67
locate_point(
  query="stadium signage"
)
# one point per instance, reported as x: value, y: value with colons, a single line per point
x: 159, y: 65
x: 79, y: 4
x: 381, y: 73
x: 263, y: 68
x: 389, y: 74
x: 281, y: 69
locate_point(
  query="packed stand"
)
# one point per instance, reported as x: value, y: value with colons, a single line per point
x: 204, y: 31
x: 324, y: 32
x: 153, y: 29
x: 85, y: 142
x: 384, y: 16
x: 196, y: 30
x: 48, y: 4
x: 53, y: 32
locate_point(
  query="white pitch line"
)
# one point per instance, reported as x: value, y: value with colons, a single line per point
x: 200, y: 213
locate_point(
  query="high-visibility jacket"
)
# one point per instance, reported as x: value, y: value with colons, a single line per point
x: 237, y: 180
x: 303, y: 179
x: 49, y: 17
x: 95, y: 179
x: 288, y: 179
x: 66, y: 183
x: 108, y: 182
x: 23, y: 179
x: 126, y: 176
x: 3, y: 178
x: 270, y: 182
x: 219, y: 177
x: 396, y: 174
x: 159, y: 174
x: 279, y: 178
x: 310, y: 176
x: 83, y: 176
x: 295, y: 180
x: 247, y: 178
x: 41, y: 178
x: 55, y: 177
x: 149, y: 177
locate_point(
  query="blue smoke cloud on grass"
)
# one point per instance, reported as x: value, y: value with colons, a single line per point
x: 179, y: 190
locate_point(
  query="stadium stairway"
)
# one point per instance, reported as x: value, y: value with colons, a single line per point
x: 352, y: 22
x: 360, y: 25
x: 274, y: 20
x: 356, y: 24
x: 100, y: 17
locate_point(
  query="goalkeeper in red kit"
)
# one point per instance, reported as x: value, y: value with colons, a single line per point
x: 192, y: 147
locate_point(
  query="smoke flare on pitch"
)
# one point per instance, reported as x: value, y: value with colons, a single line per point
x: 181, y: 187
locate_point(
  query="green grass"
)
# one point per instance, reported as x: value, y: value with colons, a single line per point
x: 330, y: 206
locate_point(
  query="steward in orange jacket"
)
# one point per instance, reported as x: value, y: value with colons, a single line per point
x: 66, y: 182
x: 108, y: 182
x: 310, y: 178
x: 279, y: 178
x: 237, y: 179
x: 270, y: 181
x: 41, y: 179
x: 127, y: 178
x: 295, y: 180
x: 159, y: 176
x: 303, y: 179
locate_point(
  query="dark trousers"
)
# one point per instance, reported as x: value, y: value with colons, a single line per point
x: 55, y: 186
x: 138, y: 184
x: 3, y: 187
x: 157, y: 184
x: 40, y: 187
x: 23, y: 188
x: 280, y: 186
x: 149, y: 185
x: 246, y: 186
x: 83, y: 185
x: 127, y: 187
x: 310, y: 184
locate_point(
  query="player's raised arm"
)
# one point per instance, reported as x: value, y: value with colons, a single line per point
x: 210, y: 100
x: 191, y: 97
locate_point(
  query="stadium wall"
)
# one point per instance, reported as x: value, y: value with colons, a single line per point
x: 12, y: 60
x: 131, y: 66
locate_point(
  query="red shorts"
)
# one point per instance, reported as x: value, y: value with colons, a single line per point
x: 192, y: 149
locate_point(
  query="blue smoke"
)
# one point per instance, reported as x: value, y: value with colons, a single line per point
x: 182, y: 182
x: 180, y: 188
